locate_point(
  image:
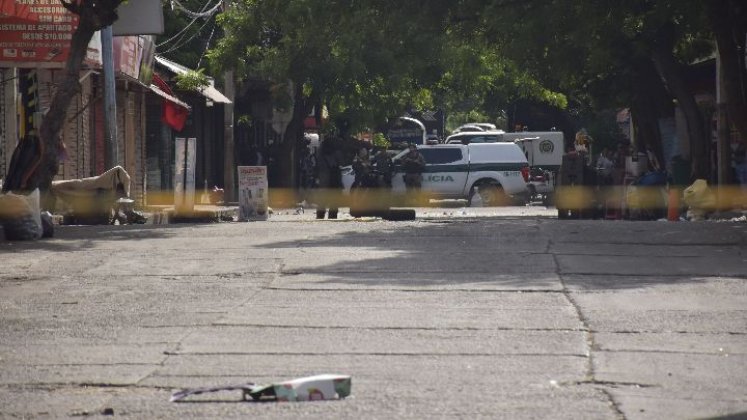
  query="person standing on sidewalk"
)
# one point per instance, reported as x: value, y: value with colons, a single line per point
x: 329, y: 180
x: 413, y: 163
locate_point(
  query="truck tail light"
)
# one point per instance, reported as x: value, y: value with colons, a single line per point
x: 525, y: 173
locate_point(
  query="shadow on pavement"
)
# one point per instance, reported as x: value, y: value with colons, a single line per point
x: 78, y: 237
x: 518, y: 254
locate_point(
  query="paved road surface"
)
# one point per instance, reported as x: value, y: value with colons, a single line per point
x: 453, y: 315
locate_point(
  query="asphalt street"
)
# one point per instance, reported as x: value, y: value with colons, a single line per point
x: 470, y: 313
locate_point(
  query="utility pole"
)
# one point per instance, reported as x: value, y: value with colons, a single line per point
x: 723, y: 149
x: 229, y: 89
x: 111, y: 149
x: 229, y: 176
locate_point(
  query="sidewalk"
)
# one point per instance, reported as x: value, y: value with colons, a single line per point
x: 165, y: 214
x: 210, y: 212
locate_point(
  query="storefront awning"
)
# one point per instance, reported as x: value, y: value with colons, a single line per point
x: 214, y: 95
x: 168, y: 97
x: 210, y: 92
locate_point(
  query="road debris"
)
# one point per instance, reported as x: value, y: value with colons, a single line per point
x: 311, y: 388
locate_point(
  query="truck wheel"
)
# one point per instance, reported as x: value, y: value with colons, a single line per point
x: 397, y: 215
x: 492, y: 195
x: 355, y: 212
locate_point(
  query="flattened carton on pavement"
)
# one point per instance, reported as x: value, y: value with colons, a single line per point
x: 311, y: 388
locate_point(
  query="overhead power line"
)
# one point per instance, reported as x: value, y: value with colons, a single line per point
x: 207, y: 45
x: 179, y: 35
x: 200, y: 14
x: 180, y: 43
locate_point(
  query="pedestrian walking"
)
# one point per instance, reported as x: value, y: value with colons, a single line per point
x: 413, y: 164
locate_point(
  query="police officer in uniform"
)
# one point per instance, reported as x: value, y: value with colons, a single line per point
x: 413, y: 164
x: 383, y: 163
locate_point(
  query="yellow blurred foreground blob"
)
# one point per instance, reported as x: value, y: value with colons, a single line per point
x: 699, y: 195
x: 575, y: 197
x: 572, y: 197
x: 13, y: 206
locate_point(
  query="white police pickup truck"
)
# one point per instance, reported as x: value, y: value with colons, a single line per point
x: 496, y: 170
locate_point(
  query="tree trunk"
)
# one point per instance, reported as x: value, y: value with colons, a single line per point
x: 229, y: 138
x: 93, y: 15
x: 645, y: 120
x: 54, y: 119
x: 292, y: 138
x: 672, y: 74
x: 648, y: 107
x: 729, y: 24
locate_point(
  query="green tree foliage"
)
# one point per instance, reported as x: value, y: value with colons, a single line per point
x: 363, y: 59
x: 366, y: 60
x: 479, y: 79
x: 380, y: 140
x: 372, y: 59
x: 193, y: 80
x: 607, y: 54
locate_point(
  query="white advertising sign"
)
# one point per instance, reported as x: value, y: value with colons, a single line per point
x: 253, y: 193
x: 139, y: 17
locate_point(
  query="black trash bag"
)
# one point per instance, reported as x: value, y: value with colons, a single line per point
x: 47, y: 224
x: 22, y: 228
x: 20, y: 216
x: 24, y: 162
